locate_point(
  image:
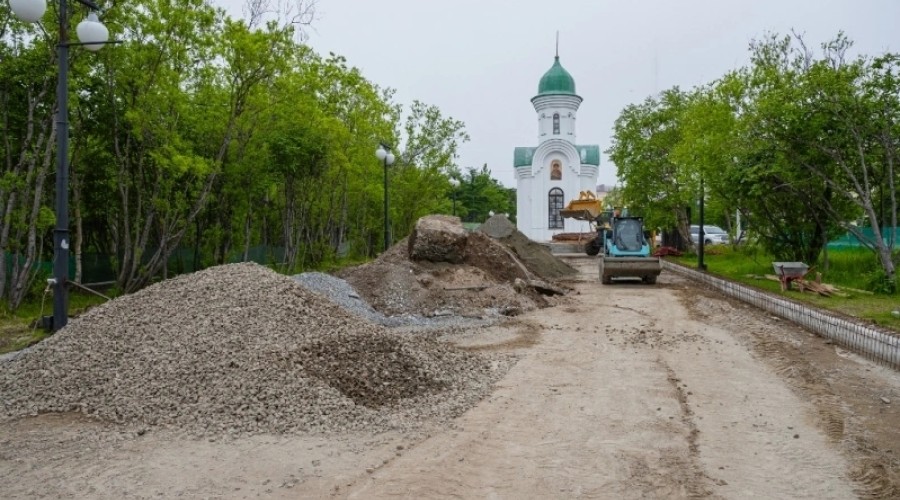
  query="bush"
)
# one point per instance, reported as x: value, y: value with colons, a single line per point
x: 879, y: 282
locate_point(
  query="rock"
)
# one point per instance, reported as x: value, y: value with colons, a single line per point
x: 438, y: 238
x: 497, y: 226
x: 885, y: 400
x: 511, y: 311
x: 545, y: 288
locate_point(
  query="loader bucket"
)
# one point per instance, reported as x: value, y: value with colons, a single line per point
x: 646, y: 268
x: 581, y: 209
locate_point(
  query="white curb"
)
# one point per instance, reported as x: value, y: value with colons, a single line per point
x: 868, y: 340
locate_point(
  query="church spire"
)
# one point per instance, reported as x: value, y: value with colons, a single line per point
x: 557, y: 44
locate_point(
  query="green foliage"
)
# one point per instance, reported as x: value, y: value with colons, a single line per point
x: 479, y: 194
x: 799, y: 143
x: 750, y: 266
x: 202, y: 137
x: 656, y: 184
x: 879, y: 282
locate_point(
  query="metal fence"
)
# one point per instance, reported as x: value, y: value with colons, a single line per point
x: 874, y: 343
x: 848, y: 240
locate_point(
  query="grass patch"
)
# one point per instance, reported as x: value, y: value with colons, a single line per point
x: 850, y: 270
x: 19, y: 329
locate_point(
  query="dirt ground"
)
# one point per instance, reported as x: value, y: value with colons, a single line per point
x: 621, y: 391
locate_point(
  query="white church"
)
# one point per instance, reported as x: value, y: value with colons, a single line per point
x: 558, y: 169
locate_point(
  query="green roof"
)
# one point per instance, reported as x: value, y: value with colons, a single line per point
x: 556, y: 80
x: 589, y: 154
x: 522, y: 157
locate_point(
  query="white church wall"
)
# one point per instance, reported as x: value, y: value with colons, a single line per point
x: 556, y: 143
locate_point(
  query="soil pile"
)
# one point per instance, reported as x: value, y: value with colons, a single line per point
x: 240, y: 349
x: 536, y: 257
x: 395, y: 285
x: 483, y: 284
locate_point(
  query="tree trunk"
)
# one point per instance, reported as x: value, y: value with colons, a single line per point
x: 23, y: 276
x: 77, y: 241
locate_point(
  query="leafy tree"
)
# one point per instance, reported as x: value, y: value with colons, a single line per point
x: 202, y: 140
x: 795, y: 213
x: 419, y: 178
x: 657, y: 183
x: 479, y: 194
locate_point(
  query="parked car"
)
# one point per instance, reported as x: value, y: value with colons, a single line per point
x: 712, y: 235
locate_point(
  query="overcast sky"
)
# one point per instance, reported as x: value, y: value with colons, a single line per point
x: 480, y: 60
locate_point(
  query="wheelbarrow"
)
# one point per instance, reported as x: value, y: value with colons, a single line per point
x: 789, y: 271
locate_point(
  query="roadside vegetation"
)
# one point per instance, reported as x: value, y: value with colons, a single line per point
x: 801, y: 146
x: 201, y: 140
x: 856, y: 272
x: 21, y: 328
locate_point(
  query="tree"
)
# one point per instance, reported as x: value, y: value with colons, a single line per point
x: 429, y: 153
x: 657, y: 183
x: 799, y: 194
x: 479, y: 194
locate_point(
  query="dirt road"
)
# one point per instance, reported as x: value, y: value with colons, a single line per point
x: 626, y: 391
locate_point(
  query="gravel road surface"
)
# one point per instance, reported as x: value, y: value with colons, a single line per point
x: 621, y: 391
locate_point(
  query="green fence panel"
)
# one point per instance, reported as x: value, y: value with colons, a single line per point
x: 849, y: 240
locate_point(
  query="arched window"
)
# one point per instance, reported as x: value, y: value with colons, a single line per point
x: 556, y: 204
x: 555, y: 170
x: 555, y: 123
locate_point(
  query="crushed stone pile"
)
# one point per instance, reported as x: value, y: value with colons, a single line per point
x: 239, y: 350
x: 343, y: 294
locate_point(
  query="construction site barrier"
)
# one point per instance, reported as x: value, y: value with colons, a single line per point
x: 871, y: 342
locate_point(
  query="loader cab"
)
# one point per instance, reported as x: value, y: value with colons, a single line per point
x: 628, y: 234
x: 626, y: 237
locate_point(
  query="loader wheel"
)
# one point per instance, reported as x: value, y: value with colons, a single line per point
x: 650, y: 280
x: 606, y: 280
x: 592, y: 248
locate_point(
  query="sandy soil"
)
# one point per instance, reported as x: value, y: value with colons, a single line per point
x: 623, y: 391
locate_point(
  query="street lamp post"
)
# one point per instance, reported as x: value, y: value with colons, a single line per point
x: 92, y: 35
x: 384, y: 154
x: 454, y: 183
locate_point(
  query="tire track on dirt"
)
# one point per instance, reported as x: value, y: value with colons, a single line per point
x: 810, y: 368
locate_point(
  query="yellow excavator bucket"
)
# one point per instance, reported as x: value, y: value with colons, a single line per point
x: 586, y: 207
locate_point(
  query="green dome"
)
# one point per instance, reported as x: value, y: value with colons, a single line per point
x: 556, y: 80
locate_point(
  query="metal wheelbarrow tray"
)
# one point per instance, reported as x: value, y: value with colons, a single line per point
x: 789, y: 271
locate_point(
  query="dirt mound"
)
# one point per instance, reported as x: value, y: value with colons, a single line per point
x: 238, y: 349
x: 495, y: 259
x: 395, y: 285
x: 537, y: 257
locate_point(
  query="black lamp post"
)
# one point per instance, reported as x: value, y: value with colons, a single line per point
x: 454, y: 183
x: 384, y: 154
x: 92, y: 35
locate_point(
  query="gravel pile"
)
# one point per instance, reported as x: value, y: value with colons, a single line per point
x: 239, y: 350
x: 344, y: 295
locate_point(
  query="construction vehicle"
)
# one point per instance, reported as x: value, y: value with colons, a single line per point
x: 586, y: 207
x: 626, y: 252
x: 601, y: 224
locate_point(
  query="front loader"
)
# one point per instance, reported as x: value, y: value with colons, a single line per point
x: 626, y: 252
